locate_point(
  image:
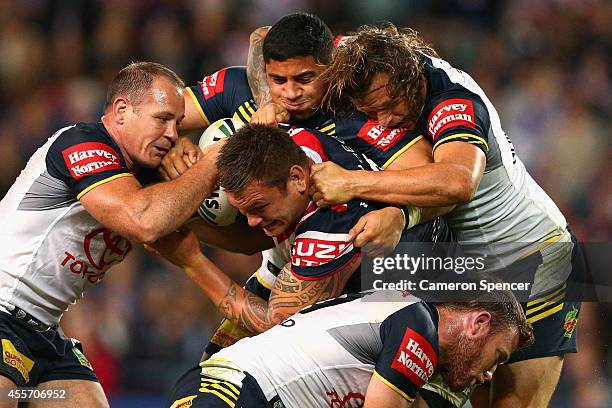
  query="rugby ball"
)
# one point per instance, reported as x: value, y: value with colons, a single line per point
x: 216, y: 209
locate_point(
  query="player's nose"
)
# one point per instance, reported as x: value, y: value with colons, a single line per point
x: 172, y: 131
x: 253, y: 220
x: 292, y: 91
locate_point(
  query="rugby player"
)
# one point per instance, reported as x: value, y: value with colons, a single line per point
x: 266, y: 176
x: 371, y: 350
x: 394, y: 78
x: 266, y: 173
x: 74, y: 212
x: 297, y: 49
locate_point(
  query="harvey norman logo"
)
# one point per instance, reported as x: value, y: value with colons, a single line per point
x: 213, y: 84
x: 415, y: 358
x: 380, y: 136
x: 88, y: 158
x: 451, y: 112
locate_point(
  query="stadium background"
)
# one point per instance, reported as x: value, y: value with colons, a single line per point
x: 545, y: 64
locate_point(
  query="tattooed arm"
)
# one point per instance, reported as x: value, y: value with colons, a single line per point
x: 256, y: 67
x: 268, y: 113
x: 247, y: 310
x: 288, y: 296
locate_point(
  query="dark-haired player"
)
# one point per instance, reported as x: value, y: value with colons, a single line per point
x: 296, y: 50
x: 266, y: 175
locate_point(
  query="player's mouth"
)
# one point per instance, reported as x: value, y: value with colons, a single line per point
x: 293, y: 106
x: 161, y: 150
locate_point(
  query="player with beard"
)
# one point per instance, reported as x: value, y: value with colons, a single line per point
x: 326, y: 354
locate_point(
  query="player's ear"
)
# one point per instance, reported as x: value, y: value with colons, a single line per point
x: 479, y: 324
x: 119, y: 108
x: 298, y: 176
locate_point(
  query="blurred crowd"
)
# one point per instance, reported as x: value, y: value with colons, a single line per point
x: 545, y: 64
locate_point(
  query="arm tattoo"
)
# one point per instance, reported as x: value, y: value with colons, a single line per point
x: 245, y: 309
x: 288, y: 296
x: 256, y: 70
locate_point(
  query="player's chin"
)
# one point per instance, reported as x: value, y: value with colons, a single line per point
x: 301, y: 114
x: 154, y: 161
x: 158, y: 153
x: 457, y: 384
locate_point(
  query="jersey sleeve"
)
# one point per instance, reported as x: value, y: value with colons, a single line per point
x: 319, y: 248
x: 85, y: 159
x: 378, y: 143
x: 263, y: 280
x: 219, y: 95
x: 458, y: 117
x: 409, y: 354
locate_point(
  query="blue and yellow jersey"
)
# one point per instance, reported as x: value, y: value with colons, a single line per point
x: 226, y: 93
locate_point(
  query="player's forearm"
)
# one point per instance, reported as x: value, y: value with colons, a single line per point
x: 241, y: 307
x: 430, y: 213
x: 256, y: 68
x: 432, y: 185
x: 159, y: 209
x: 237, y: 237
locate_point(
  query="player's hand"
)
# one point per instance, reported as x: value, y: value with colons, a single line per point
x: 378, y: 232
x: 182, y: 156
x: 182, y: 248
x: 330, y: 184
x: 270, y: 114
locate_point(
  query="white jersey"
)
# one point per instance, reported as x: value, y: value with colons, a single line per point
x: 327, y: 353
x: 52, y: 249
x: 510, y: 216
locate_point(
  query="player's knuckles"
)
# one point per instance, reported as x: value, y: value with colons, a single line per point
x: 258, y: 118
x: 316, y: 168
x: 173, y: 155
x: 187, y: 162
x: 362, y: 239
x: 173, y: 173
